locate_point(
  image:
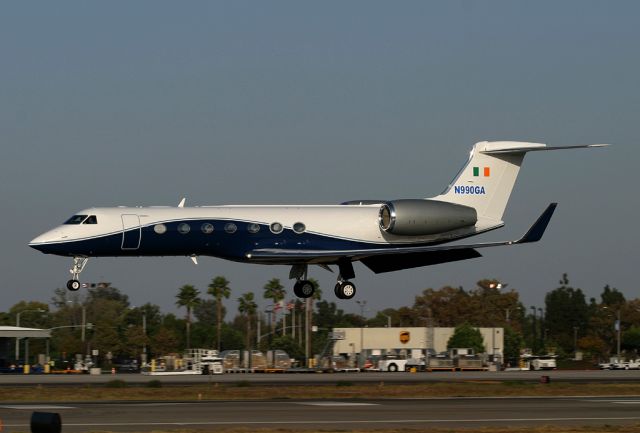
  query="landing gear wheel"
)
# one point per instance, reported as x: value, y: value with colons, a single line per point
x: 73, y: 285
x: 345, y: 290
x: 303, y: 289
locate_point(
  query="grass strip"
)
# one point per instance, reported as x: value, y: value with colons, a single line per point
x: 243, y: 390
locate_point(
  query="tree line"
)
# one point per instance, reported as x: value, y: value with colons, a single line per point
x: 567, y: 322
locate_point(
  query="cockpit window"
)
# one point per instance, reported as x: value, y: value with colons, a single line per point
x: 76, y: 219
x: 92, y: 219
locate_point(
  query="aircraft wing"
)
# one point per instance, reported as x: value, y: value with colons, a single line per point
x: 427, y: 254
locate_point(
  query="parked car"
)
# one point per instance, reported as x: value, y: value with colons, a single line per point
x: 129, y: 366
x: 392, y: 363
x: 626, y: 365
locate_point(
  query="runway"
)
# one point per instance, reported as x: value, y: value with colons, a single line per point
x: 328, y: 378
x: 333, y: 414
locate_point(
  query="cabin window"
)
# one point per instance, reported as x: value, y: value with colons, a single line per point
x: 160, y: 229
x: 230, y: 228
x: 184, y: 228
x: 207, y: 228
x: 299, y: 228
x: 76, y: 219
x: 92, y: 219
x: 253, y: 228
x: 276, y: 228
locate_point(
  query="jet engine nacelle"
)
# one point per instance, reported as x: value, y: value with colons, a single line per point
x: 416, y: 217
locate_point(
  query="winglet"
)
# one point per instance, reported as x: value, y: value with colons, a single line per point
x: 181, y: 204
x: 538, y: 228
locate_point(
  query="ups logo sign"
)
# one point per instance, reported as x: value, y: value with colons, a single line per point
x: 405, y: 337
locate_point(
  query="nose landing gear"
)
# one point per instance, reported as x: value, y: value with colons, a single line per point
x: 78, y: 266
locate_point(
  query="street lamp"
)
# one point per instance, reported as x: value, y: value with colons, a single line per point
x: 39, y: 310
x: 362, y: 305
x: 543, y: 328
x: 388, y: 319
x: 617, y: 326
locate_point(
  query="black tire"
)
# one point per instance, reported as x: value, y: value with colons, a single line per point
x: 303, y: 289
x: 392, y: 368
x: 345, y: 290
x: 73, y: 285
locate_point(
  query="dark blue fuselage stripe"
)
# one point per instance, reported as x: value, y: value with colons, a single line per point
x: 233, y: 246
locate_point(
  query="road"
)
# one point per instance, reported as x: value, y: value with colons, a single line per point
x: 327, y: 378
x: 333, y: 414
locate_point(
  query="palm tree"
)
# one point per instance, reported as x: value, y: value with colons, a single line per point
x: 275, y: 291
x: 219, y: 288
x: 247, y: 307
x: 188, y: 298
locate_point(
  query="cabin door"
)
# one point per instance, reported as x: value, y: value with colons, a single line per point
x: 131, y: 232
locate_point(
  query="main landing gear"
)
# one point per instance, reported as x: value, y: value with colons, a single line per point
x: 303, y: 288
x: 344, y: 289
x: 78, y: 266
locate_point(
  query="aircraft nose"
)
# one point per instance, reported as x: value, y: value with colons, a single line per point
x: 40, y: 242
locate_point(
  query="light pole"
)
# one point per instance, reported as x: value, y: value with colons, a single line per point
x: 617, y: 326
x: 543, y: 329
x: 388, y: 320
x: 618, y: 329
x: 533, y: 329
x: 144, y: 341
x: 39, y: 310
x: 362, y: 305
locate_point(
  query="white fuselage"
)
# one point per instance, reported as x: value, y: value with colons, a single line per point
x: 209, y: 230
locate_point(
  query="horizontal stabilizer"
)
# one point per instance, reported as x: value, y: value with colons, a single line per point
x: 533, y: 147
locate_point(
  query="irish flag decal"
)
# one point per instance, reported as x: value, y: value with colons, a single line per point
x: 486, y: 171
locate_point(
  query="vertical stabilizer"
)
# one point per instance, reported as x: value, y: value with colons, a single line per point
x: 486, y: 181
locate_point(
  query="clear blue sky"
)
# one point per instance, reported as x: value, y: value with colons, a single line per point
x: 142, y: 103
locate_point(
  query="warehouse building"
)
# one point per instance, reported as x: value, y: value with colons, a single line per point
x: 402, y: 341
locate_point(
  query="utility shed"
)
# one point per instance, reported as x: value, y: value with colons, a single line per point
x: 8, y: 335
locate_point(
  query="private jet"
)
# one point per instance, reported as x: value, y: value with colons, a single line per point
x: 384, y: 235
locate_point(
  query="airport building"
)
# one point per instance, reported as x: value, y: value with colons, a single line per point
x: 402, y: 341
x: 8, y: 336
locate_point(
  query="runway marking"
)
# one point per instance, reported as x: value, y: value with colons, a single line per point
x: 617, y: 401
x: 320, y: 422
x: 336, y: 403
x: 35, y: 407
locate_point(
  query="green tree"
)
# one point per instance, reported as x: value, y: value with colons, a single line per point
x: 611, y: 297
x: 565, y: 307
x: 465, y: 336
x: 513, y: 342
x: 289, y: 345
x: 164, y: 341
x: 247, y: 308
x: 188, y: 298
x: 205, y: 314
x: 631, y: 339
x: 106, y: 291
x: 219, y: 289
